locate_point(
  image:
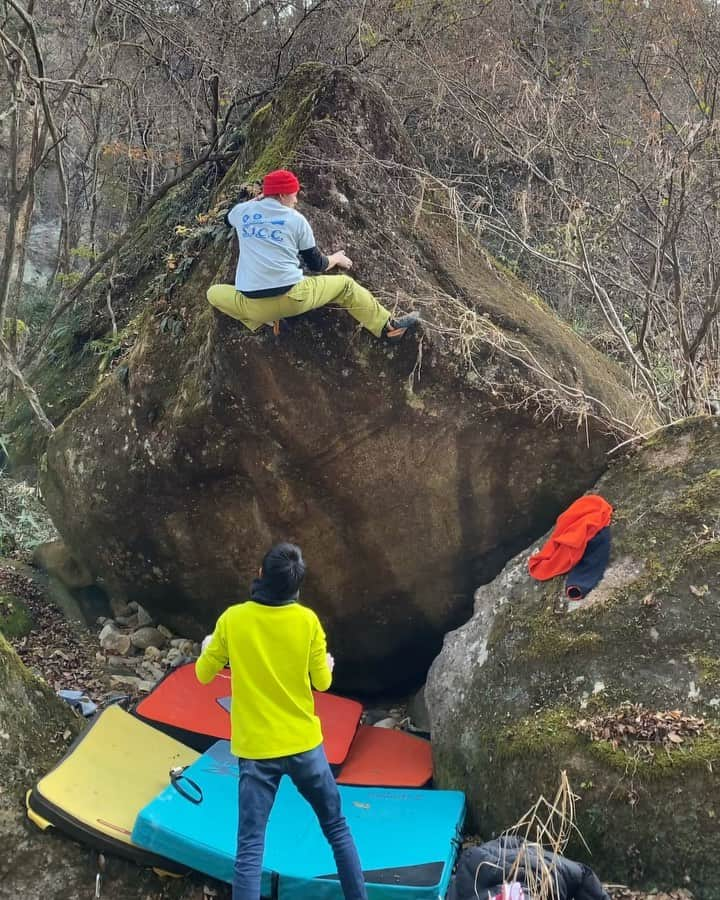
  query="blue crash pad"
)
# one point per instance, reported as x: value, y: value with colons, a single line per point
x: 407, y: 839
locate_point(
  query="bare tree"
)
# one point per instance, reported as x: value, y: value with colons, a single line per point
x: 596, y: 173
x: 35, y: 99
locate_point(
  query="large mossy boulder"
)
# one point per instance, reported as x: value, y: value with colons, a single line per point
x: 515, y: 692
x: 407, y: 473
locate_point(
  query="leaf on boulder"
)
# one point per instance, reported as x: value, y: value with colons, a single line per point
x: 633, y: 726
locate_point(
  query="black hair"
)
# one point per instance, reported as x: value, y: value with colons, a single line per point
x: 283, y: 569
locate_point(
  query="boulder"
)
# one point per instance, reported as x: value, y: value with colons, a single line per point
x: 56, y: 558
x: 407, y: 473
x: 610, y: 688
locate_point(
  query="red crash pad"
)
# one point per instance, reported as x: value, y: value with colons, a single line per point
x: 339, y: 718
x: 193, y: 714
x: 383, y: 757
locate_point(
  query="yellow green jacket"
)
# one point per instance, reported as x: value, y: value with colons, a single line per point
x: 277, y: 654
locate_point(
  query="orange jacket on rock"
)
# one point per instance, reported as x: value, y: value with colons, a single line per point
x: 580, y: 522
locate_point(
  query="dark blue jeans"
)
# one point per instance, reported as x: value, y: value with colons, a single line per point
x: 259, y: 781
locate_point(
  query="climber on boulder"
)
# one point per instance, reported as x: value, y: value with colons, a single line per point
x: 269, y: 281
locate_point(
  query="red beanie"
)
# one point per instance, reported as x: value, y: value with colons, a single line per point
x: 281, y: 181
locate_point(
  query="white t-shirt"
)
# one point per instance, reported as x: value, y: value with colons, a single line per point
x: 270, y: 236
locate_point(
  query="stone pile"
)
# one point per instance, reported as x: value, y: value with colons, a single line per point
x: 137, y: 651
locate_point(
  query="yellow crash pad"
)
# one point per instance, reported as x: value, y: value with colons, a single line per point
x: 111, y: 772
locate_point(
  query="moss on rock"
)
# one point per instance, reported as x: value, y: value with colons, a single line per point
x: 708, y: 670
x: 551, y: 636
x: 15, y: 618
x: 37, y: 724
x: 503, y: 729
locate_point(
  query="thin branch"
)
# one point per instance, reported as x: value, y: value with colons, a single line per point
x: 8, y: 360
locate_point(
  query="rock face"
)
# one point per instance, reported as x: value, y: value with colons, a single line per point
x: 511, y: 688
x: 408, y: 474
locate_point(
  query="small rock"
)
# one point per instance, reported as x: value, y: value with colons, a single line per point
x: 147, y: 637
x: 125, y: 671
x: 120, y: 661
x: 153, y: 652
x: 130, y: 621
x: 134, y: 605
x: 102, y: 620
x: 130, y: 680
x: 371, y: 716
x: 165, y: 631
x: 115, y: 641
x: 183, y: 645
x: 175, y: 657
x: 389, y: 722
x: 107, y: 629
x: 151, y: 672
x: 143, y: 617
x: 120, y: 607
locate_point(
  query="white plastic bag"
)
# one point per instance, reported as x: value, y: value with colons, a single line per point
x: 512, y: 891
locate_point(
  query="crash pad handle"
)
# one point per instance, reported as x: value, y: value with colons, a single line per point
x: 176, y: 776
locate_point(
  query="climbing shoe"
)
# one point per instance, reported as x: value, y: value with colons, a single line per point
x: 396, y: 329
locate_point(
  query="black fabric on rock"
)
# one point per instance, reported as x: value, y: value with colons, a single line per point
x: 588, y: 573
x: 485, y: 868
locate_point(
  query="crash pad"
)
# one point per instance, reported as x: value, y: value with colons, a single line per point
x: 407, y: 839
x: 385, y: 757
x: 113, y: 770
x: 198, y: 714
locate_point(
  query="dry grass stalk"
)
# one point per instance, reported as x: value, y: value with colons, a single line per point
x: 468, y: 332
x: 546, y: 826
x: 464, y: 330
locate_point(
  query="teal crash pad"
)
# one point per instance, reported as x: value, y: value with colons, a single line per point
x: 407, y: 839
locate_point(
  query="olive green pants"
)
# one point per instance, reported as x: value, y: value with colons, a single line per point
x: 310, y: 293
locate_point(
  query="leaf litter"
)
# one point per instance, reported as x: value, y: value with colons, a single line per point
x: 644, y: 730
